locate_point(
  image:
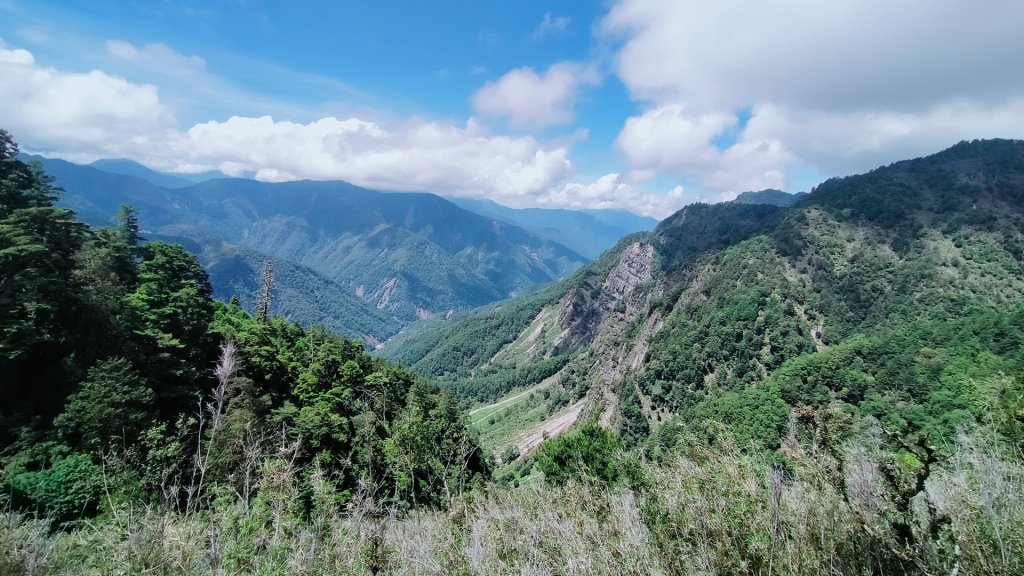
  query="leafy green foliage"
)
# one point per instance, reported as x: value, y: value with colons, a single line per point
x: 754, y: 416
x: 39, y: 298
x: 589, y: 452
x: 69, y: 487
x: 114, y: 403
x: 742, y: 325
x: 360, y: 420
x: 110, y: 367
x: 698, y: 228
x: 467, y: 343
x: 173, y: 305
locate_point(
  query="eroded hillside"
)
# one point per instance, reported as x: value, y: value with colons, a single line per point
x: 868, y: 293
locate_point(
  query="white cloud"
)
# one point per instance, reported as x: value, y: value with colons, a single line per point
x: 840, y: 86
x: 531, y: 100
x: 833, y: 55
x: 76, y: 112
x: 84, y: 116
x: 612, y: 191
x: 412, y: 155
x: 551, y: 25
x: 856, y: 140
x: 668, y: 139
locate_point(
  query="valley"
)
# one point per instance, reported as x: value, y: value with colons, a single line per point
x: 618, y: 288
x: 363, y: 263
x: 866, y: 338
x: 729, y: 308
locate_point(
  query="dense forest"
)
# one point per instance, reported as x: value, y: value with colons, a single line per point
x: 124, y: 379
x: 830, y: 388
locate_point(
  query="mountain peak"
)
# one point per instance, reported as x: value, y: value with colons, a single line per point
x: 770, y: 196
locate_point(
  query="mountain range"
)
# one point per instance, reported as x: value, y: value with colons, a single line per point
x: 588, y: 232
x: 896, y: 294
x: 362, y: 262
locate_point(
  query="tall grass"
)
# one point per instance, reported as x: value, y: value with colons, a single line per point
x: 714, y: 512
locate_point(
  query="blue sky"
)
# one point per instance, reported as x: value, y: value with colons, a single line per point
x: 637, y: 104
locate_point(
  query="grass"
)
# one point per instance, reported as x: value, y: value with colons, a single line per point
x: 712, y: 511
x: 515, y: 398
x: 500, y: 424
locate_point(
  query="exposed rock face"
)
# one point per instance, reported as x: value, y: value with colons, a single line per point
x: 389, y: 289
x: 585, y: 312
x: 633, y: 268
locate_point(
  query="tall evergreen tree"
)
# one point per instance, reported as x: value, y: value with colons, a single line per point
x: 173, y: 304
x: 40, y: 307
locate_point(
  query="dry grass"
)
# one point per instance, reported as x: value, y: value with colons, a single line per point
x: 714, y: 513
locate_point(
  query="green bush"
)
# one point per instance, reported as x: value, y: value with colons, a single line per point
x: 69, y: 489
x: 590, y: 453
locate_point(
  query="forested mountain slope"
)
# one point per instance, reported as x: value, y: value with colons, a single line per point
x: 388, y: 258
x: 841, y: 385
x: 896, y: 295
x: 124, y: 380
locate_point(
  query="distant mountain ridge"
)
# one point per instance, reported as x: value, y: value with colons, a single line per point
x: 131, y: 168
x: 127, y: 167
x: 589, y: 232
x: 397, y: 256
x: 771, y: 197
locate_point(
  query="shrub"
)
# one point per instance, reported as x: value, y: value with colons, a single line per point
x: 590, y: 453
x: 69, y: 489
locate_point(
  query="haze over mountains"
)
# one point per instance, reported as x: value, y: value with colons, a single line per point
x: 363, y: 263
x: 588, y: 232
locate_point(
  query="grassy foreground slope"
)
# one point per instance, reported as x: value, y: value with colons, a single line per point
x: 715, y: 511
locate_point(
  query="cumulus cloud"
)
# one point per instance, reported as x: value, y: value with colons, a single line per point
x: 91, y: 112
x: 531, y: 100
x: 551, y: 25
x: 612, y: 191
x: 411, y: 155
x: 669, y: 139
x: 862, y: 139
x: 841, y: 86
x: 84, y: 116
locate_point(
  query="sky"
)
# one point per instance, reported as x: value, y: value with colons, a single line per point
x: 643, y: 105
